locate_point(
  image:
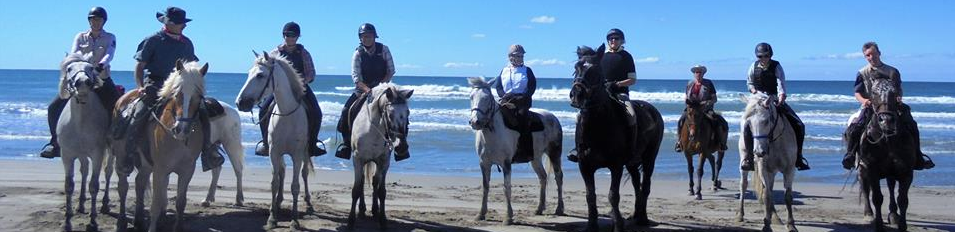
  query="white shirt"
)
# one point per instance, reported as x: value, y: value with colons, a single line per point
x: 514, y: 79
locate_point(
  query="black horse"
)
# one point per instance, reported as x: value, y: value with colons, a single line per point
x: 887, y: 151
x: 606, y: 139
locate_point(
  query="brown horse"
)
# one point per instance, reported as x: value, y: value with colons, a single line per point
x: 700, y: 136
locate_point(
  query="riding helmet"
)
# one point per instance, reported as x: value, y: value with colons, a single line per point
x: 97, y: 12
x: 763, y: 49
x: 366, y: 28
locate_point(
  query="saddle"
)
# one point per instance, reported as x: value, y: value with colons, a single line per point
x: 512, y: 122
x: 213, y: 108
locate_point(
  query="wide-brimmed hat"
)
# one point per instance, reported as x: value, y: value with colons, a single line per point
x: 173, y: 15
x: 698, y: 68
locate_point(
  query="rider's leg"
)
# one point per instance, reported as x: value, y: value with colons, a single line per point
x: 265, y: 115
x: 851, y: 136
x: 921, y: 161
x: 210, y: 156
x: 800, y: 130
x: 52, y: 149
x: 747, y: 164
x: 314, y: 114
x: 344, y: 127
x: 679, y: 126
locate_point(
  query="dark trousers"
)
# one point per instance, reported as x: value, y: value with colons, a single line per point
x: 312, y: 111
x: 853, y: 133
x: 519, y: 116
x: 347, y: 116
x: 107, y: 94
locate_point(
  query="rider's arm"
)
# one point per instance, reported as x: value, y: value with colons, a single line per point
x: 498, y: 86
x: 309, y: 69
x: 749, y: 78
x: 781, y: 83
x: 631, y: 71
x: 389, y: 62
x: 138, y: 73
x: 110, y: 49
x: 860, y: 90
x: 356, y: 72
x: 144, y: 53
x: 531, y: 83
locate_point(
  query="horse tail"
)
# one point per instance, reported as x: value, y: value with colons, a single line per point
x: 309, y: 166
x: 370, y: 169
x: 758, y: 184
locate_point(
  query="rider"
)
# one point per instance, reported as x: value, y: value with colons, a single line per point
x: 516, y: 85
x: 766, y: 75
x: 302, y: 62
x: 372, y: 64
x: 876, y: 69
x: 700, y: 90
x: 156, y: 57
x: 101, y: 44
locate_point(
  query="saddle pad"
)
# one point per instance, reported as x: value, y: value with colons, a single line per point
x: 510, y: 121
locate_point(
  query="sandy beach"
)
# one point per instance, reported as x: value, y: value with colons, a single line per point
x: 32, y: 199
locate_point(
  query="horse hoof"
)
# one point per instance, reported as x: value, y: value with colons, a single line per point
x: 104, y: 209
x: 205, y: 204
x: 296, y: 225
x: 792, y: 228
x: 92, y: 227
x: 691, y: 193
x: 893, y: 218
x: 309, y: 210
x: 508, y: 221
x: 239, y: 203
x: 539, y: 212
x: 67, y: 227
x: 479, y: 218
x: 699, y: 197
x: 767, y: 228
x: 271, y: 224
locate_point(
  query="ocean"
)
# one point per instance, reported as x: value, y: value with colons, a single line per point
x: 442, y: 143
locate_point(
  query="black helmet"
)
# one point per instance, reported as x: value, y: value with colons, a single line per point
x: 763, y: 49
x: 615, y: 31
x: 97, y: 12
x: 367, y: 27
x: 292, y: 29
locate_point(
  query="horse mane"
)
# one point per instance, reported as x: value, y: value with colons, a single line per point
x: 479, y: 82
x: 751, y: 105
x: 177, y: 80
x: 295, y: 78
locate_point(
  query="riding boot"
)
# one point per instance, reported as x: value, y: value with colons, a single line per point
x: 52, y: 149
x: 108, y: 95
x: 265, y: 116
x: 851, y: 136
x: 922, y: 161
x: 573, y: 155
x: 747, y: 164
x: 314, y: 114
x: 800, y: 129
x: 525, y: 147
x: 210, y: 157
x: 679, y: 126
x: 135, y: 131
x: 721, y: 128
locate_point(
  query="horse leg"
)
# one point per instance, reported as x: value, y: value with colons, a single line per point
x: 235, y: 149
x: 97, y: 161
x: 877, y: 204
x: 689, y: 170
x: 699, y: 176
x: 770, y: 208
x: 788, y: 179
x: 84, y: 174
x: 297, y: 170
x: 158, y: 207
x: 645, y: 173
x: 904, y: 185
x: 893, y: 214
x: 588, y: 174
x: 509, y: 219
x: 211, y: 196
x: 615, y: 175
x: 542, y: 178
x: 68, y: 186
x: 719, y: 168
x: 743, y: 182
x: 485, y: 186
x: 182, y: 188
x: 559, y: 179
x: 109, y: 176
x: 309, y: 209
x: 122, y: 187
x: 142, y: 183
x: 866, y: 190
x: 357, y: 189
x: 381, y: 194
x: 278, y: 174
x: 634, y: 171
x: 714, y: 174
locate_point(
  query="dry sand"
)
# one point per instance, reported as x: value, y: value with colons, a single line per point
x: 32, y: 199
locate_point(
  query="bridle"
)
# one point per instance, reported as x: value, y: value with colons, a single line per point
x: 487, y: 114
x: 270, y: 82
x: 775, y: 118
x: 389, y: 133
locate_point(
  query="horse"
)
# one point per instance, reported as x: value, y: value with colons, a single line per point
x: 82, y: 129
x: 698, y: 136
x: 774, y: 144
x: 273, y: 74
x: 888, y: 151
x: 603, y: 143
x: 496, y: 144
x: 380, y: 127
x: 226, y: 131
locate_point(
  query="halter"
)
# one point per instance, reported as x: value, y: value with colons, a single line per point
x: 771, y: 129
x: 169, y: 129
x: 71, y: 89
x: 488, y: 114
x: 270, y: 81
x: 388, y: 134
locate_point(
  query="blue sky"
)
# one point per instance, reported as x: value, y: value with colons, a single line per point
x: 814, y: 40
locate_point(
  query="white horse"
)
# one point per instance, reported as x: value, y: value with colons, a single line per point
x: 496, y: 145
x: 82, y: 129
x: 272, y: 74
x: 774, y: 145
x: 227, y: 131
x: 380, y: 127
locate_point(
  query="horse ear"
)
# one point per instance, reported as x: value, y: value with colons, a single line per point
x: 406, y: 93
x: 266, y: 55
x: 255, y: 53
x: 179, y: 66
x: 204, y: 68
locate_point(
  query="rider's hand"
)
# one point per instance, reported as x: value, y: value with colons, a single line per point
x: 782, y: 99
x: 866, y: 103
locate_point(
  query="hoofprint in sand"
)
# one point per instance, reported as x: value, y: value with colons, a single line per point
x: 31, y: 199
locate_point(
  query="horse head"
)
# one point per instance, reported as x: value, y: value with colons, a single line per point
x: 392, y: 105
x: 184, y: 92
x: 885, y: 103
x: 761, y: 119
x: 694, y: 118
x: 587, y: 78
x: 78, y: 77
x: 483, y: 105
x: 259, y: 83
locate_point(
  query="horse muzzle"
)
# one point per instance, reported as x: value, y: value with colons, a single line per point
x: 245, y: 104
x: 181, y: 130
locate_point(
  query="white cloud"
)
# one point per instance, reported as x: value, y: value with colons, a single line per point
x: 409, y: 66
x: 541, y: 62
x: 651, y: 59
x: 526, y: 27
x: 544, y: 19
x: 478, y: 36
x: 461, y: 65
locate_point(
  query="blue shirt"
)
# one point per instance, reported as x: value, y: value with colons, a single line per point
x: 160, y: 52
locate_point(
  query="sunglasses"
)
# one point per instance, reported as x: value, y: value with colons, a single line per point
x: 614, y: 38
x: 290, y: 34
x: 762, y: 56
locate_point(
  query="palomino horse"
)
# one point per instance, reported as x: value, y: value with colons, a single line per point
x: 226, y: 131
x: 175, y: 143
x: 272, y: 74
x: 699, y: 136
x: 603, y: 143
x: 496, y: 144
x: 774, y: 145
x: 82, y: 129
x: 888, y: 150
x: 380, y: 127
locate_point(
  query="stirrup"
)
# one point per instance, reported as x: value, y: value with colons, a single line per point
x: 677, y: 147
x: 343, y: 151
x: 318, y: 151
x: 927, y: 162
x: 572, y: 156
x: 52, y: 152
x: 261, y: 149
x: 802, y: 164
